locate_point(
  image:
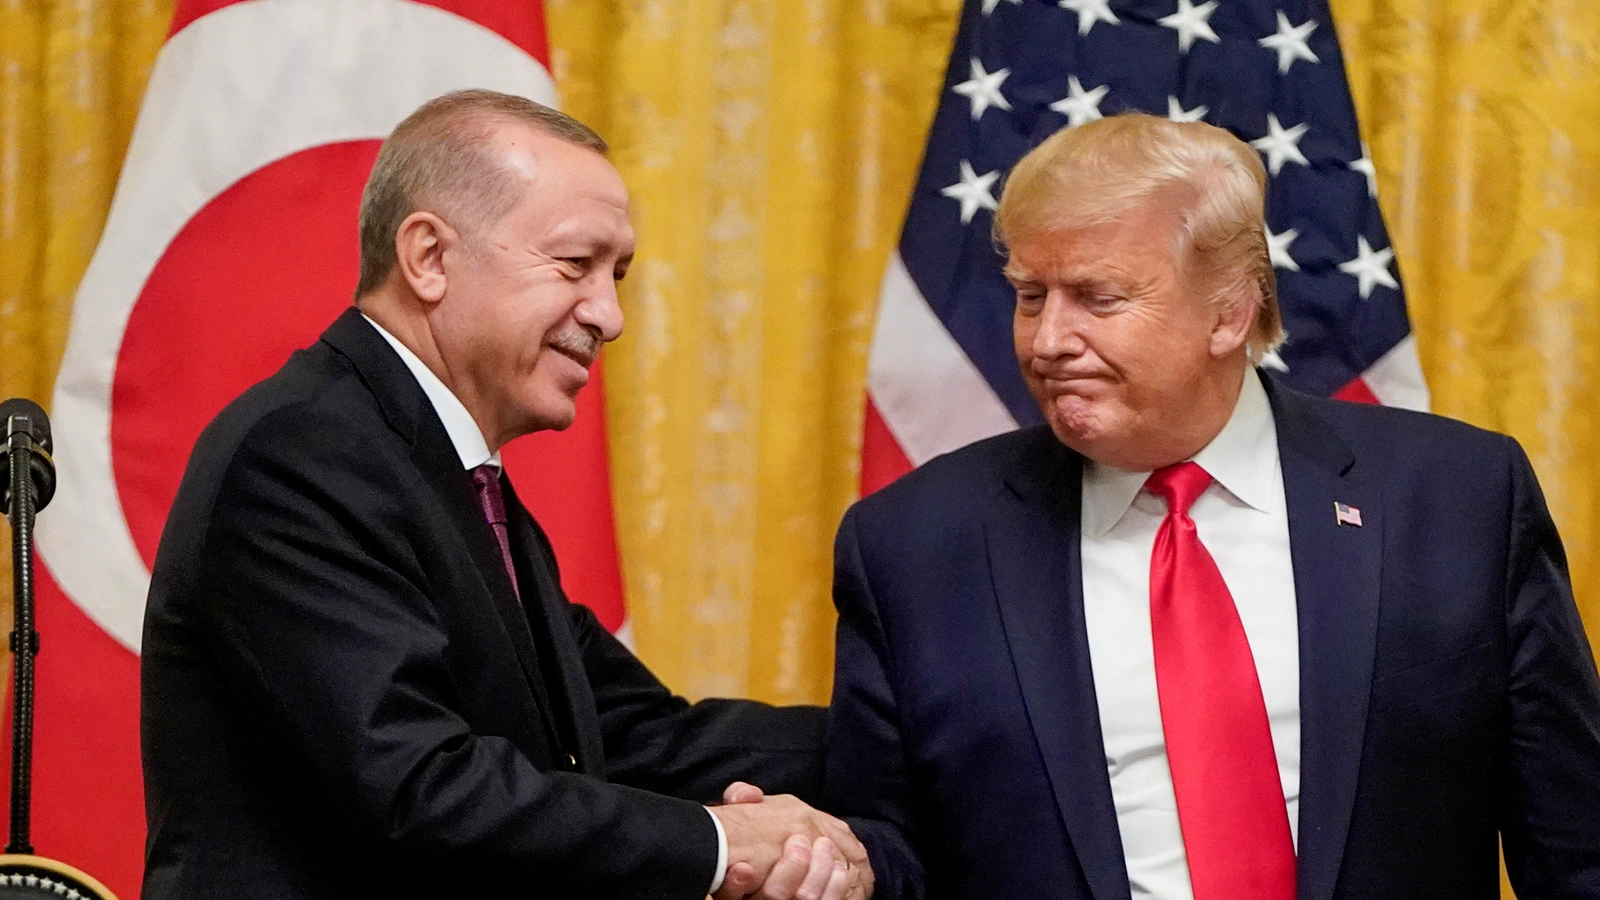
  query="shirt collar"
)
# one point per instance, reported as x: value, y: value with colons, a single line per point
x: 458, y: 423
x: 1242, y: 458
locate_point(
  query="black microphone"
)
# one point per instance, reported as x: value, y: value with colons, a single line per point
x: 25, y: 427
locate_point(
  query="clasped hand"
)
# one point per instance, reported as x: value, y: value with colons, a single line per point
x: 779, y: 848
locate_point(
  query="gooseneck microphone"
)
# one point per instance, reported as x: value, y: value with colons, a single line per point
x: 27, y: 430
x: 29, y: 487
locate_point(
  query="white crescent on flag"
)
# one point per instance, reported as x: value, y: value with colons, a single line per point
x: 344, y: 70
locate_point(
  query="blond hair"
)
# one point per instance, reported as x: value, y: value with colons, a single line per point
x: 1094, y: 173
x: 439, y: 159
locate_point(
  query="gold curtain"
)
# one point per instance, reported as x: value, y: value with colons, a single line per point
x: 770, y: 146
x: 71, y: 78
x: 1484, y: 121
x: 771, y: 172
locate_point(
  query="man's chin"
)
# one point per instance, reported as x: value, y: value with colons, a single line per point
x: 561, y: 421
x: 1081, y: 425
x: 551, y: 415
x: 559, y: 424
x: 1070, y: 414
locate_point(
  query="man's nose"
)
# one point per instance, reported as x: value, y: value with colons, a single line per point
x: 600, y: 308
x: 1060, y: 333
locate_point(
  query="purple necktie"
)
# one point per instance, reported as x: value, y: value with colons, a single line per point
x: 487, y: 478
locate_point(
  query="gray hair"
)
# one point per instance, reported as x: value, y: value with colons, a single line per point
x: 439, y: 159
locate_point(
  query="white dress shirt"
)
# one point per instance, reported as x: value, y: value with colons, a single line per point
x: 474, y: 452
x: 1243, y: 521
x: 458, y: 423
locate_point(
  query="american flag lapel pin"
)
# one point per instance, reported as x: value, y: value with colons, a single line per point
x: 1345, y: 514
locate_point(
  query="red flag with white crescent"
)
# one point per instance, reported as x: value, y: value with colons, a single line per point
x: 232, y: 241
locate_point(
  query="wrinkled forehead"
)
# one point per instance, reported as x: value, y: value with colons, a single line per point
x: 1149, y: 231
x: 553, y: 167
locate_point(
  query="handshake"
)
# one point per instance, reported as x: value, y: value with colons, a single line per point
x: 779, y: 848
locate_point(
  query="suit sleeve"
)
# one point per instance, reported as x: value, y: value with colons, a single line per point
x: 325, y: 628
x: 662, y: 743
x: 1551, y: 830
x: 867, y: 781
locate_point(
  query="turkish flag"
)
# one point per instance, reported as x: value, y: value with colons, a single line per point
x: 231, y: 242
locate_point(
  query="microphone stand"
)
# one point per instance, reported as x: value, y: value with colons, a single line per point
x: 19, y: 448
x: 30, y: 482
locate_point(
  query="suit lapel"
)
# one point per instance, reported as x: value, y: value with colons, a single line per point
x: 1337, y: 571
x: 1032, y: 535
x: 458, y: 494
x: 405, y: 406
x: 543, y: 598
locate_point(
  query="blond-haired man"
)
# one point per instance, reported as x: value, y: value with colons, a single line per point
x: 1199, y: 636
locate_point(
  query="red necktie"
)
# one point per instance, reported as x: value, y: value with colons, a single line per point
x: 1219, y: 742
x: 487, y: 478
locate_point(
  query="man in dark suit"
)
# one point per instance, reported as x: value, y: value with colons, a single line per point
x: 360, y: 675
x: 1200, y: 635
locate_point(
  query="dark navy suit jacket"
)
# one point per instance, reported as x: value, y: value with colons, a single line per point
x: 1448, y: 696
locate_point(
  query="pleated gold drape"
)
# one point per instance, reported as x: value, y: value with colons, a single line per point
x: 1484, y: 120
x: 770, y: 146
x: 71, y: 78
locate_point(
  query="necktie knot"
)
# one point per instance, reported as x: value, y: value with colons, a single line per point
x: 1180, y: 485
x: 487, y: 478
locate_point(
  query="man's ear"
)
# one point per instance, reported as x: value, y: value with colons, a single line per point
x: 419, y: 254
x: 1236, y: 318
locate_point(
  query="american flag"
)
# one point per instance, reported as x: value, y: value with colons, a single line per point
x: 1346, y: 515
x: 942, y: 371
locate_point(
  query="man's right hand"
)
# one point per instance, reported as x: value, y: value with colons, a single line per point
x: 781, y: 848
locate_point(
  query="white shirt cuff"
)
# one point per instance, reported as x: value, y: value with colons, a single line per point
x: 722, y: 853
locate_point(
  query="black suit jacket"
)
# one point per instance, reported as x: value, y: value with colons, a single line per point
x: 1448, y: 696
x: 343, y: 697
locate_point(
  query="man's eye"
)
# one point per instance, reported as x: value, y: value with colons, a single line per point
x: 1029, y: 301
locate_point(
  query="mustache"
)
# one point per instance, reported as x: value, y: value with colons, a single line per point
x: 579, y: 342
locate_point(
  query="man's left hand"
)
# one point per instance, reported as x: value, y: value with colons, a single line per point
x: 816, y: 870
